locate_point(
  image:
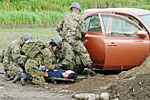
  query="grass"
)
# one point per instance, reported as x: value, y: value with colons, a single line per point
x: 8, y: 35
x: 27, y: 17
x: 18, y: 12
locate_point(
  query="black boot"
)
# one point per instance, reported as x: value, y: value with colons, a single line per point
x: 17, y: 78
x: 24, y: 79
x: 7, y: 77
x: 90, y: 69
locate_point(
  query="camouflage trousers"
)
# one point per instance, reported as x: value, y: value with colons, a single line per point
x: 79, y: 48
x: 32, y: 68
x: 12, y: 69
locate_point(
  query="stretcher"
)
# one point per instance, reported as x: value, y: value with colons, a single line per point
x: 56, y: 80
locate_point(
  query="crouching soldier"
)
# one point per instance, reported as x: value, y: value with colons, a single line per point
x: 65, y: 58
x: 39, y: 55
x: 14, y: 59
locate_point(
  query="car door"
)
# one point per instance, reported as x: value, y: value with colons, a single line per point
x: 94, y: 40
x: 123, y: 48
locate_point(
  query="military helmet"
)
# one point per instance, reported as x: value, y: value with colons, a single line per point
x: 26, y: 37
x: 57, y: 39
x: 75, y: 5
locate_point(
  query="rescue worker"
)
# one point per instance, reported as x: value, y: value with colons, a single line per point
x: 14, y: 59
x: 64, y: 57
x: 72, y: 29
x: 38, y: 55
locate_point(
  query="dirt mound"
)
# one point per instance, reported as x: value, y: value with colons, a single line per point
x: 101, y: 82
x: 135, y: 89
x: 133, y: 84
x: 142, y: 69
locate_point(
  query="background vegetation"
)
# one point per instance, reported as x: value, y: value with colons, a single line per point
x: 13, y: 12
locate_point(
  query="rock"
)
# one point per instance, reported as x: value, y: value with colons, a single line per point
x: 92, y: 96
x: 86, y: 96
x: 104, y: 96
x: 116, y: 99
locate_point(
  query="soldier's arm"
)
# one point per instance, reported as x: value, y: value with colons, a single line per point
x: 47, y: 59
x: 60, y: 26
x: 16, y: 53
x: 82, y: 27
x: 17, y: 57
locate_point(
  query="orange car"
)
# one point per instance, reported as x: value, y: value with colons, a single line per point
x: 117, y: 38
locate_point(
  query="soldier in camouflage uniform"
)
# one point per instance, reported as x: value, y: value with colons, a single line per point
x: 63, y: 56
x: 72, y: 29
x: 14, y: 59
x: 39, y: 55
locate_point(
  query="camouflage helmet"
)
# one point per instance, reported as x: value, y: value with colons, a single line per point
x: 75, y: 5
x: 26, y: 37
x: 57, y: 39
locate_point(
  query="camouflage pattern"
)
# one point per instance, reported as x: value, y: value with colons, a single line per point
x: 13, y: 69
x: 72, y: 29
x: 12, y: 59
x: 37, y: 50
x: 32, y: 67
x: 39, y: 55
x: 65, y: 58
x: 2, y: 56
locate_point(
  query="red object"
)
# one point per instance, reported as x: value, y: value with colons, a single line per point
x: 117, y: 38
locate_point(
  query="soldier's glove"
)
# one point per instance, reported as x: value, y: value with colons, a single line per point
x: 42, y: 69
x: 57, y: 66
x: 22, y: 59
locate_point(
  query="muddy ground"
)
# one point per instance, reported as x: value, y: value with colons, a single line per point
x: 127, y: 85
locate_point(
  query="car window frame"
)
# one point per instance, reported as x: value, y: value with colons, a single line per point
x: 119, y: 16
x: 101, y: 23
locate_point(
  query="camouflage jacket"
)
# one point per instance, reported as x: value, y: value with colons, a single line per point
x: 72, y: 23
x: 37, y: 50
x: 13, y: 53
x: 65, y: 57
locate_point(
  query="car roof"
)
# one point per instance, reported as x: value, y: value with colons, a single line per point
x: 133, y: 11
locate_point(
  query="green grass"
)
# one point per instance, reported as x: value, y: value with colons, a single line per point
x: 18, y: 12
x: 8, y: 35
x: 28, y: 17
x: 61, y: 5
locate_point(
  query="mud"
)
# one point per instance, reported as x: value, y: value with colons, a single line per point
x: 15, y: 91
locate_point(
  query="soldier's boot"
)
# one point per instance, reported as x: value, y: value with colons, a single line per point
x: 29, y: 77
x: 17, y: 78
x: 7, y: 77
x: 90, y: 70
x: 24, y: 79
